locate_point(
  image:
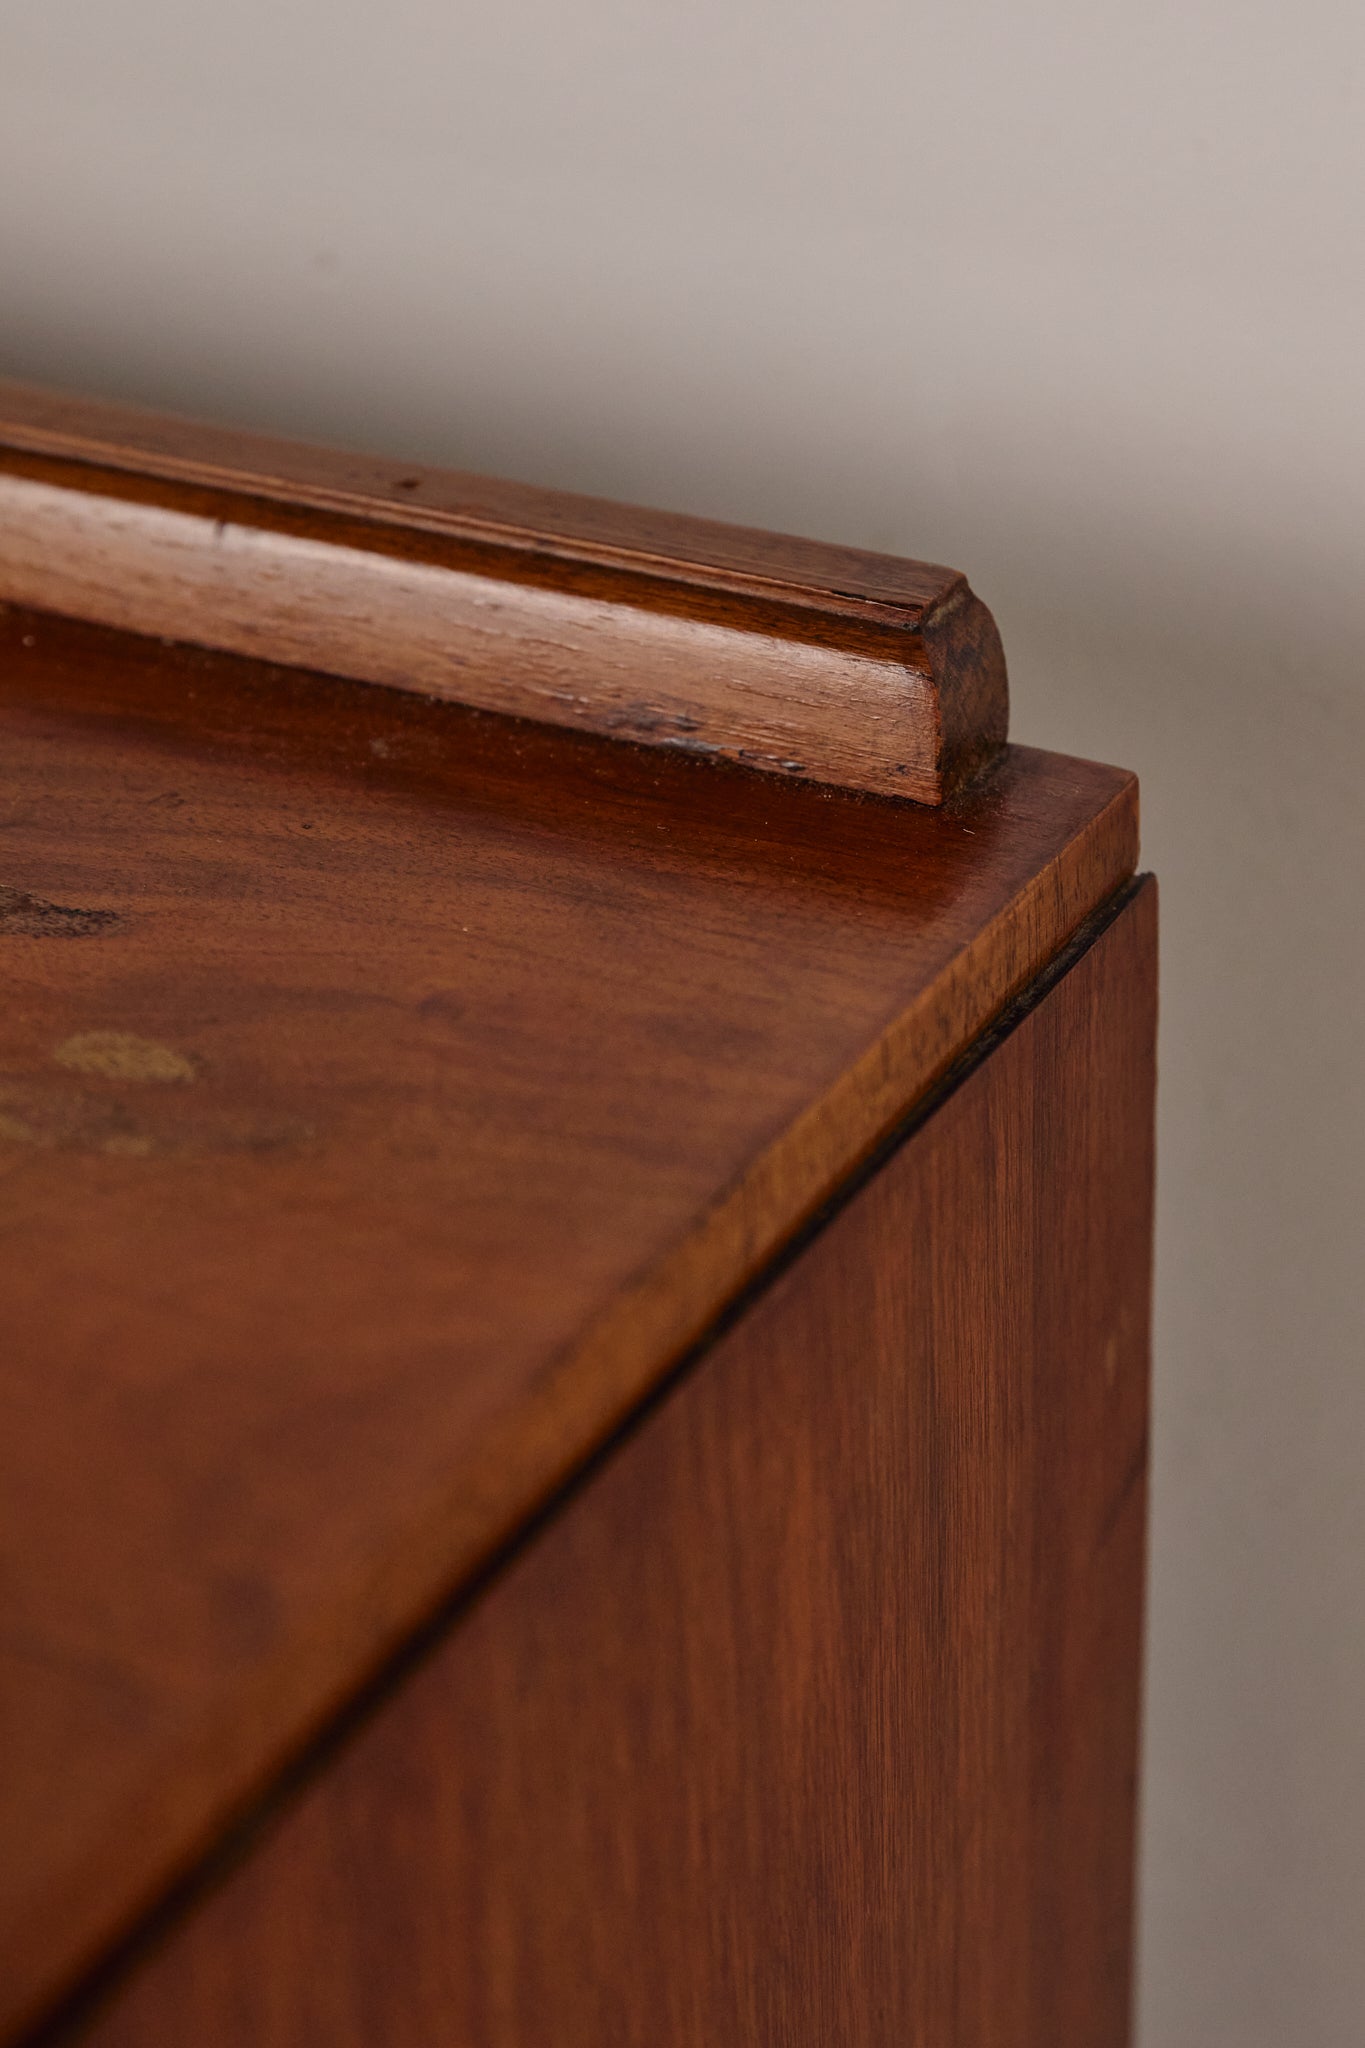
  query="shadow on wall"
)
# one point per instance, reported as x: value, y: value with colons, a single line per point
x: 1237, y: 689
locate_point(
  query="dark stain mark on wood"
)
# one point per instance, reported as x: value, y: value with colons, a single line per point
x: 28, y: 917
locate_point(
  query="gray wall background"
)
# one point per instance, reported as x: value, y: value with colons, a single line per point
x: 1068, y: 292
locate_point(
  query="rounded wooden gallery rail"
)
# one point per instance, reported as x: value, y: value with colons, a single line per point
x: 788, y: 655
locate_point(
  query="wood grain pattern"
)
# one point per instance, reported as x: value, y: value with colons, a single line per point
x: 811, y: 1718
x: 795, y: 658
x: 389, y: 1095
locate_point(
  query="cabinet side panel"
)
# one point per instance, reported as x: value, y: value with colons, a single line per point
x: 811, y: 1718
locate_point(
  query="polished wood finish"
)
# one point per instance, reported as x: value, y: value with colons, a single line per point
x: 415, y: 1469
x: 799, y: 659
x: 811, y: 1717
x: 389, y: 1094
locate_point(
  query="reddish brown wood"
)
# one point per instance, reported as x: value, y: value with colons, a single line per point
x: 391, y: 1094
x: 388, y: 1095
x: 797, y: 658
x: 811, y: 1717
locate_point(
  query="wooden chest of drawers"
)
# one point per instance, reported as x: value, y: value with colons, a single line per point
x: 574, y: 1262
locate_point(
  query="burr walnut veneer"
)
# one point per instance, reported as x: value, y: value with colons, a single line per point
x: 574, y: 1253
